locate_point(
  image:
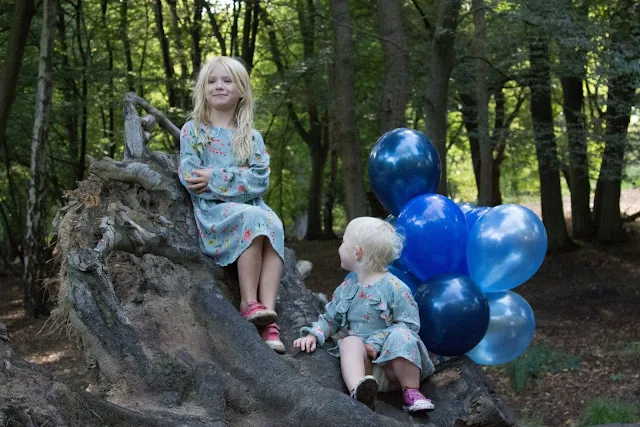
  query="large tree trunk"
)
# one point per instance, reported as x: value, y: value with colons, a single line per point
x: 166, y: 54
x: 439, y: 65
x: 23, y: 11
x: 347, y: 138
x: 159, y: 319
x: 546, y: 150
x: 126, y: 42
x: 623, y: 77
x: 34, y: 240
x: 485, y: 191
x: 396, y: 87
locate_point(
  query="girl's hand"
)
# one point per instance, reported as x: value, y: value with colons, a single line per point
x: 307, y: 343
x: 371, y: 352
x: 200, y: 180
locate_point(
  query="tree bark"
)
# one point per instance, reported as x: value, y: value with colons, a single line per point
x: 439, y: 65
x: 196, y: 31
x: 166, y: 54
x: 182, y: 94
x: 546, y: 150
x: 159, y: 319
x: 396, y: 87
x: 34, y: 239
x: 622, y: 83
x: 485, y: 191
x: 126, y: 43
x: 23, y: 12
x: 110, y: 127
x: 347, y: 138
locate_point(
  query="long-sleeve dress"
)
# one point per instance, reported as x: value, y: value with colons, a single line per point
x: 231, y: 213
x: 383, y: 313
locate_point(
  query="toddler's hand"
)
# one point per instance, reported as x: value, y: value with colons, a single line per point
x: 307, y: 343
x: 371, y: 352
x: 200, y: 180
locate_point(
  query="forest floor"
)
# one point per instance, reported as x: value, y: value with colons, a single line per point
x: 586, y: 304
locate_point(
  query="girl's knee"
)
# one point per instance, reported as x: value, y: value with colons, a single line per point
x: 350, y: 341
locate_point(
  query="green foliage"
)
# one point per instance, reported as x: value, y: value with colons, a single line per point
x: 608, y: 411
x: 538, y: 360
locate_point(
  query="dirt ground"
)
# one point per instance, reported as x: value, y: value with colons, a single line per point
x: 585, y: 302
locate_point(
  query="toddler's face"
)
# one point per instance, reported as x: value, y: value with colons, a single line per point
x: 347, y: 251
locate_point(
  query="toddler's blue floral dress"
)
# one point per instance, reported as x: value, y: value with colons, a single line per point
x: 383, y: 313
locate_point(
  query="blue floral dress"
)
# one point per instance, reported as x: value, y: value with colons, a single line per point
x: 383, y: 313
x: 231, y: 213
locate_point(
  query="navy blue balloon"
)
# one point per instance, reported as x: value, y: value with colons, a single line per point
x: 506, y: 247
x: 402, y: 165
x: 511, y: 329
x: 435, y: 233
x: 406, y: 276
x: 454, y: 314
x: 474, y: 215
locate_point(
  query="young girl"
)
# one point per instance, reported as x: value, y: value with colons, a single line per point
x: 380, y: 316
x: 225, y: 167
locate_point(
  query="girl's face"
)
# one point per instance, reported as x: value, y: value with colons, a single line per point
x: 348, y: 251
x: 221, y: 91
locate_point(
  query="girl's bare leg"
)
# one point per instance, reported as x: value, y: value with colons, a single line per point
x: 352, y: 360
x: 404, y: 372
x: 270, y: 275
x: 249, y: 267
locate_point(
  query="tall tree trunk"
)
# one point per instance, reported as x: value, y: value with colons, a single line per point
x: 485, y: 191
x: 348, y: 143
x: 166, y: 54
x: 216, y: 30
x: 572, y: 66
x: 396, y: 87
x: 196, y: 31
x: 250, y: 31
x: 546, y: 150
x: 182, y: 94
x: 110, y: 127
x: 23, y: 12
x: 623, y: 77
x: 126, y: 43
x: 34, y: 239
x: 85, y: 52
x: 469, y: 113
x: 439, y: 66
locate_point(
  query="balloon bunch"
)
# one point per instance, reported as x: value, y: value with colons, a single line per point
x: 461, y: 261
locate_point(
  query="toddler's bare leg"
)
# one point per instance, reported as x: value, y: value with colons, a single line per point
x: 352, y: 360
x: 406, y: 372
x: 249, y: 266
x: 270, y: 275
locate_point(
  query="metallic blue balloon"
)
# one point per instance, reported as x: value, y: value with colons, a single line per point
x: 506, y: 247
x: 454, y: 314
x: 435, y: 233
x: 466, y: 206
x: 406, y: 276
x: 403, y: 164
x: 474, y: 214
x: 511, y: 329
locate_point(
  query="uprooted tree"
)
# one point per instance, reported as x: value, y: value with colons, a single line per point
x: 159, y: 320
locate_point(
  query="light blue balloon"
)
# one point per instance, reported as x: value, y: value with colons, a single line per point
x: 511, y: 329
x: 466, y: 206
x: 506, y: 247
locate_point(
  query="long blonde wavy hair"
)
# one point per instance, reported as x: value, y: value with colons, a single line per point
x: 242, y: 143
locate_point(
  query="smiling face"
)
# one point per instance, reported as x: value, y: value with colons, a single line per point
x: 222, y: 93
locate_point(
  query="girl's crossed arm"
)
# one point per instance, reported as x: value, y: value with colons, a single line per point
x: 227, y: 184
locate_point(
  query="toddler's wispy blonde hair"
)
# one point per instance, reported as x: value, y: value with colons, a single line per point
x: 380, y: 242
x: 243, y: 140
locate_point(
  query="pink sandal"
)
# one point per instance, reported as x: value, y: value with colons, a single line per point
x: 258, y: 314
x: 271, y: 335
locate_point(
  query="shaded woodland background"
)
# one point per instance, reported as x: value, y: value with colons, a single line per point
x: 526, y: 101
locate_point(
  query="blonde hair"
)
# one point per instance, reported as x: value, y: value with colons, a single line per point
x: 380, y: 242
x: 242, y: 143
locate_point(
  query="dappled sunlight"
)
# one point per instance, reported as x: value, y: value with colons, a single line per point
x: 47, y: 357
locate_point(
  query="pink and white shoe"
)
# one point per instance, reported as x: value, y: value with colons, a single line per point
x: 258, y: 314
x: 415, y: 401
x: 271, y: 335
